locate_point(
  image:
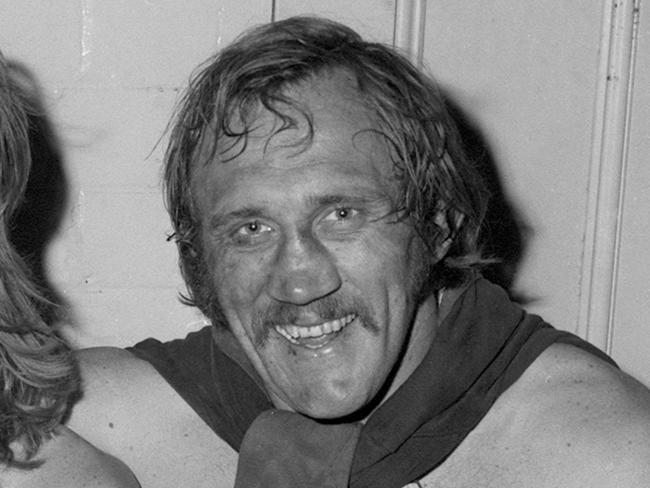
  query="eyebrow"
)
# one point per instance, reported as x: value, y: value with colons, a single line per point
x: 318, y: 201
x: 327, y: 200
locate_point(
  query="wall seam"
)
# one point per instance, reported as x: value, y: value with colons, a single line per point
x: 408, y: 33
x: 605, y: 189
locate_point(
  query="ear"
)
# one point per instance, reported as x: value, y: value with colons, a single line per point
x: 447, y: 232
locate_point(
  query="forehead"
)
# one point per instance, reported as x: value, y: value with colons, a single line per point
x: 345, y: 148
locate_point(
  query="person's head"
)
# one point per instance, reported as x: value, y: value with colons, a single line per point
x: 38, y: 376
x: 311, y: 178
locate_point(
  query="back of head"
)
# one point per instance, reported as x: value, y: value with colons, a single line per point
x: 440, y: 191
x: 37, y: 374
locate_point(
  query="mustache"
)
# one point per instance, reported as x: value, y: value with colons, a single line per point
x: 326, y: 308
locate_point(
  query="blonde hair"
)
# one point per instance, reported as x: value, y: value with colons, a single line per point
x: 38, y: 375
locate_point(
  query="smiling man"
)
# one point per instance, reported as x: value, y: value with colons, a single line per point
x: 309, y: 260
x: 327, y: 221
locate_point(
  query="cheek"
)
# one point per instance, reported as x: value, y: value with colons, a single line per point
x: 401, y: 270
x: 238, y: 283
x: 420, y: 264
x: 395, y: 255
x: 382, y: 270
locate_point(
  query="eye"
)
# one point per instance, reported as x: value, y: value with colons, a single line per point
x: 341, y: 221
x: 251, y: 233
x: 342, y: 213
x: 251, y: 228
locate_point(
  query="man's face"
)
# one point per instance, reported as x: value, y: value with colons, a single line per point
x: 315, y: 275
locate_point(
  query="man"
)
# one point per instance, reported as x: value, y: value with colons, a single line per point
x: 327, y: 224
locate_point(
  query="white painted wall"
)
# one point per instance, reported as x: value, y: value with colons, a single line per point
x: 529, y: 74
x: 111, y: 72
x: 525, y: 72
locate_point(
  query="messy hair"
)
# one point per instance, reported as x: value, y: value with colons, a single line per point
x: 434, y: 175
x: 38, y: 376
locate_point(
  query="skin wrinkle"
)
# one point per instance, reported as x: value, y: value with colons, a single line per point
x: 289, y: 196
x: 227, y: 93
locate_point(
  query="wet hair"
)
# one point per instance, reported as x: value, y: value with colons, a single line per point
x: 38, y: 376
x: 440, y: 191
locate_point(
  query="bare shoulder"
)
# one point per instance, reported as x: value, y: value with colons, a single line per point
x: 588, y: 421
x: 567, y: 380
x: 115, y: 386
x: 571, y: 420
x: 130, y: 411
x: 110, y: 368
x: 73, y: 463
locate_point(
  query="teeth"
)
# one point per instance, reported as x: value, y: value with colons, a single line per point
x: 293, y: 332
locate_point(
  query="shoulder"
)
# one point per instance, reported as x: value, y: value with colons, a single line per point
x: 112, y: 367
x: 129, y: 410
x: 120, y: 406
x: 571, y: 420
x: 115, y: 386
x: 582, y: 418
x: 72, y: 462
x: 111, y: 363
x: 570, y: 380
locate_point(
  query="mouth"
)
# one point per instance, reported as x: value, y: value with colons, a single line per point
x: 314, y: 336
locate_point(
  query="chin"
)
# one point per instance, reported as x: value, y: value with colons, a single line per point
x: 343, y: 410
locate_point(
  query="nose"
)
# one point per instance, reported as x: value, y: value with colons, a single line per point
x: 303, y: 271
